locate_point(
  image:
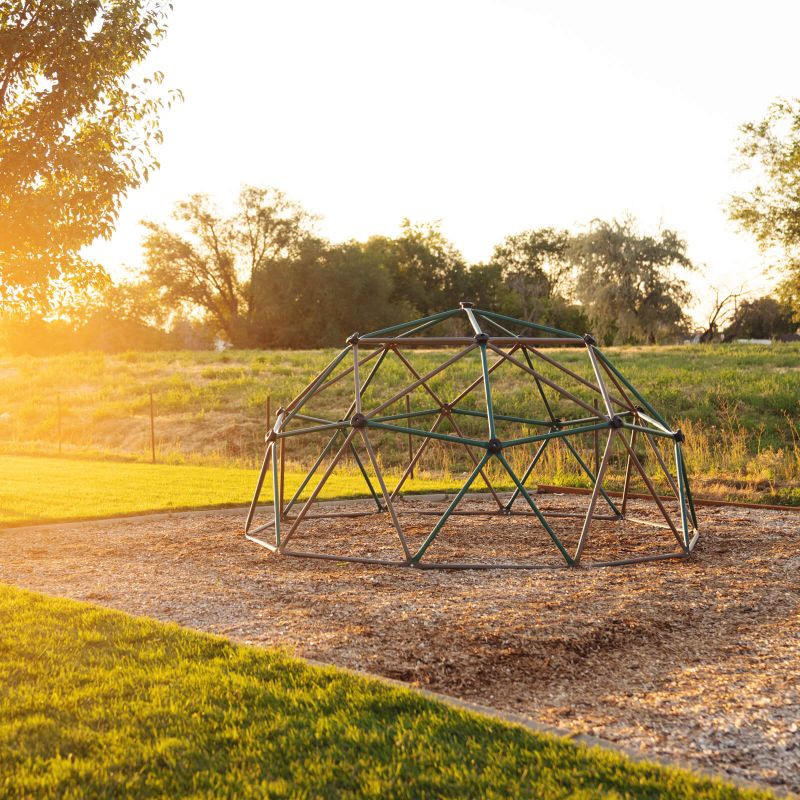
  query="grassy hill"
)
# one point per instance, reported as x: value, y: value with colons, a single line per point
x: 738, y: 405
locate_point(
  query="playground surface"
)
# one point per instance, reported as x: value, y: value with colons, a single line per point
x: 691, y: 660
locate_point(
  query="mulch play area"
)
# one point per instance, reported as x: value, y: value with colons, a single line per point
x: 695, y: 660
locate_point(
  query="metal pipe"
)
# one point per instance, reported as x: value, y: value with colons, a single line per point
x: 593, y: 500
x: 527, y: 473
x: 534, y: 423
x: 652, y: 490
x: 259, y: 483
x: 417, y: 432
x: 534, y: 508
x: 400, y: 395
x: 557, y: 434
x: 386, y: 498
x: 318, y: 487
x: 543, y: 379
x: 526, y: 324
x: 456, y: 500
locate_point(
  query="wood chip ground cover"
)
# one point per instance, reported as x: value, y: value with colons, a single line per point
x: 694, y: 660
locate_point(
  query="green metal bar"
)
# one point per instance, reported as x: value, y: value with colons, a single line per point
x: 276, y: 496
x: 366, y: 477
x: 555, y: 434
x: 591, y: 475
x: 412, y: 323
x: 456, y: 500
x: 302, y: 398
x: 632, y: 389
x: 535, y: 423
x: 535, y: 508
x: 526, y: 324
x: 652, y: 431
x: 314, y: 429
x: 487, y: 390
x: 425, y: 413
x: 497, y: 325
x: 688, y: 490
x: 528, y: 472
x: 590, y: 419
x: 322, y: 420
x: 429, y: 434
x: 682, y: 497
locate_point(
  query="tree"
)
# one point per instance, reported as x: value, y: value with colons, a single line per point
x: 425, y: 268
x: 215, y: 262
x: 771, y: 210
x: 535, y: 269
x: 627, y: 282
x: 321, y: 294
x: 722, y: 312
x: 761, y: 318
x: 76, y: 133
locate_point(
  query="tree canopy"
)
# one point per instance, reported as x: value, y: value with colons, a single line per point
x: 76, y: 133
x: 215, y: 263
x: 628, y: 282
x: 761, y: 318
x: 770, y: 150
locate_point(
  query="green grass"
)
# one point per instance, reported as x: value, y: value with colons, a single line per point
x: 105, y: 397
x: 34, y: 489
x: 95, y: 703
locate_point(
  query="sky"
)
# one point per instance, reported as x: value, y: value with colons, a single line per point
x: 491, y: 117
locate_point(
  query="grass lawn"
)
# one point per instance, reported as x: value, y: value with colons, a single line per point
x: 35, y: 489
x: 95, y: 703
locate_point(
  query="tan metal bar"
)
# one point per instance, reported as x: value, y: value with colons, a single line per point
x: 664, y: 469
x: 543, y: 379
x: 401, y: 394
x: 571, y: 373
x: 417, y: 455
x: 304, y: 510
x: 452, y: 421
x: 595, y: 494
x: 386, y: 498
x: 652, y: 491
x: 626, y: 484
x: 600, y: 382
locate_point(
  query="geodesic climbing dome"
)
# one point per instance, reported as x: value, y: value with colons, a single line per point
x: 496, y: 397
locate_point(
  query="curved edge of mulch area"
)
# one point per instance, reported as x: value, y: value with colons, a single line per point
x: 531, y: 724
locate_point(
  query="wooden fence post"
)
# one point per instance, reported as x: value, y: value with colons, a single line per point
x: 152, y: 430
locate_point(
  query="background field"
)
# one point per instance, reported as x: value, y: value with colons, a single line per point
x: 738, y: 405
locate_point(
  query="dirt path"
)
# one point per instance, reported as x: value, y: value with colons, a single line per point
x: 694, y: 660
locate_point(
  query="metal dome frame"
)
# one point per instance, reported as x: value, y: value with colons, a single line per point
x: 619, y: 410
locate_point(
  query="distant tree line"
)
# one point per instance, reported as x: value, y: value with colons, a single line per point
x: 262, y: 277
